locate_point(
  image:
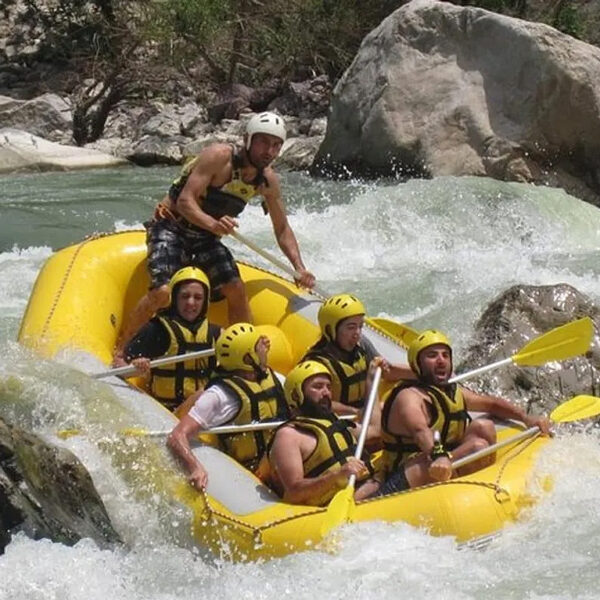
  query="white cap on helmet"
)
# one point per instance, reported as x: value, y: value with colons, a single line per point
x: 265, y: 122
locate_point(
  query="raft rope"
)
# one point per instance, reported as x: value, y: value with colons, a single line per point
x: 96, y: 236
x: 67, y: 273
x: 500, y: 495
x: 254, y: 530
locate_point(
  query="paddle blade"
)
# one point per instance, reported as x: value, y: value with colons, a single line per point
x: 339, y: 510
x: 579, y: 407
x: 403, y: 333
x: 560, y: 343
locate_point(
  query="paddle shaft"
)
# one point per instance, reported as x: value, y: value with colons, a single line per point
x: 279, y: 263
x: 362, y: 438
x: 474, y: 372
x: 465, y: 460
x: 320, y: 292
x: 224, y: 428
x: 167, y: 360
x: 575, y: 409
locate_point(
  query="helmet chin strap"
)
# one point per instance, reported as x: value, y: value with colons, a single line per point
x: 258, y: 371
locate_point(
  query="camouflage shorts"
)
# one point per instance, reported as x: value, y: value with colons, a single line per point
x: 171, y: 247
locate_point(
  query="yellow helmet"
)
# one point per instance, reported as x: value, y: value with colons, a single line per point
x: 429, y: 337
x: 234, y: 343
x: 336, y: 309
x: 190, y: 274
x: 295, y: 379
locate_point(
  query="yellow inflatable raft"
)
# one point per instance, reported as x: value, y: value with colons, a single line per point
x: 76, y: 309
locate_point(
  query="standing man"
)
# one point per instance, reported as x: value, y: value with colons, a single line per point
x: 413, y: 411
x: 201, y: 207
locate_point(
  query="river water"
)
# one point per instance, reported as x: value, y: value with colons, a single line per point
x: 430, y: 253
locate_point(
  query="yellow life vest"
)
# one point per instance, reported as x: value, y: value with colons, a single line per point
x: 335, y: 444
x: 172, y: 384
x: 259, y: 402
x: 448, y: 416
x: 229, y: 199
x: 348, y: 380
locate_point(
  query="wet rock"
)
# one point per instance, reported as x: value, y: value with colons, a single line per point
x: 154, y: 149
x: 298, y: 153
x: 519, y: 315
x: 306, y: 99
x: 47, y: 493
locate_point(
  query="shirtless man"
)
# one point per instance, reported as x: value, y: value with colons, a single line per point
x: 201, y: 207
x: 312, y: 456
x: 412, y: 412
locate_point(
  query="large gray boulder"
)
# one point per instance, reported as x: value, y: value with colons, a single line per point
x: 516, y: 317
x: 439, y: 89
x: 22, y: 151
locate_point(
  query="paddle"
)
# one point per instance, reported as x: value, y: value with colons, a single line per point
x: 575, y: 409
x: 396, y: 330
x: 167, y: 360
x: 560, y: 343
x: 342, y: 504
x: 139, y: 432
x: 278, y: 263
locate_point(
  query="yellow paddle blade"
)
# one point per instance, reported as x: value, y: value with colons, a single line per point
x: 65, y: 434
x: 403, y: 333
x: 134, y: 432
x: 560, y: 343
x: 339, y: 510
x: 579, y: 407
x: 130, y: 432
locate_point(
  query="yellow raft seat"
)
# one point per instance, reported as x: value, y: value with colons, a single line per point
x: 77, y: 307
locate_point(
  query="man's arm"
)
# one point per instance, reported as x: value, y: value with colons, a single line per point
x: 212, y: 407
x: 211, y: 162
x: 179, y: 443
x: 286, y: 459
x: 503, y: 409
x: 409, y: 417
x: 283, y: 232
x: 413, y: 416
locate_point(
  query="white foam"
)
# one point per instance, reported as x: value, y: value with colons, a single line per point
x: 550, y: 555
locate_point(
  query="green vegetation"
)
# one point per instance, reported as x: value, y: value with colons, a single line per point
x: 247, y: 41
x: 568, y: 20
x: 115, y: 49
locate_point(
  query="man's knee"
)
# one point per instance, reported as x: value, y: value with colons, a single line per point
x: 234, y: 289
x: 159, y: 297
x: 483, y: 428
x: 479, y: 444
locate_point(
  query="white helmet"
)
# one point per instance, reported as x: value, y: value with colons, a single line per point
x: 266, y: 122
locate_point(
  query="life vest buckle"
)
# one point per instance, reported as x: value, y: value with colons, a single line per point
x: 501, y: 495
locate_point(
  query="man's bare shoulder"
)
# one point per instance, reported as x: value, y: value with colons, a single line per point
x: 288, y: 434
x: 215, y: 154
x: 411, y: 394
